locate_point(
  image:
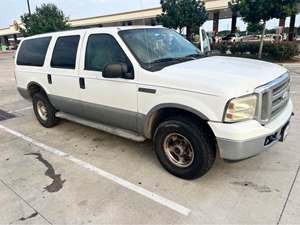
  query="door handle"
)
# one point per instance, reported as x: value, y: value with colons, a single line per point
x: 81, y: 83
x: 49, y: 79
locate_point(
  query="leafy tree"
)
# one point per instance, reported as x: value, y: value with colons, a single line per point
x: 183, y: 13
x: 47, y: 18
x: 260, y: 11
x: 254, y: 28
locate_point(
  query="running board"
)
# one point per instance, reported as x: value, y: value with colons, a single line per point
x: 112, y: 130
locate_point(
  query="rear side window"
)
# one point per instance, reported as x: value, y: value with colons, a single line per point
x: 65, y: 51
x: 33, y: 52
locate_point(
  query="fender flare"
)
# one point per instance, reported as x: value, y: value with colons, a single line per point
x: 37, y: 84
x: 147, y: 129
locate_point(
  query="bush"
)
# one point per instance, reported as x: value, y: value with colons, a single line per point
x: 274, y: 51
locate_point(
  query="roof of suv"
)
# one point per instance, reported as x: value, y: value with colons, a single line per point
x: 102, y: 29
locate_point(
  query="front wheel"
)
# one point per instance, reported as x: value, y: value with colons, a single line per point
x: 44, y: 111
x: 184, y: 148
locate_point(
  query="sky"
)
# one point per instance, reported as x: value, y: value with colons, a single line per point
x: 75, y: 9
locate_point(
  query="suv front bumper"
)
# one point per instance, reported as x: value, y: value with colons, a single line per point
x: 243, y: 140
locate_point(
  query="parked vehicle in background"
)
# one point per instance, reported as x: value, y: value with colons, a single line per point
x: 151, y: 83
x: 268, y: 38
x: 231, y: 38
x: 273, y: 38
x: 250, y: 38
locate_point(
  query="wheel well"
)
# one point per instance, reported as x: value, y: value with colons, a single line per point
x: 34, y: 88
x: 164, y: 114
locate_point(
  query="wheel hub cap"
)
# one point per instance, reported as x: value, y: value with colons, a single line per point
x: 179, y: 150
x: 42, y: 110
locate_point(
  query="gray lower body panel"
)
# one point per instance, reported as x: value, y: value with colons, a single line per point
x: 236, y: 150
x: 98, y: 113
x: 239, y: 150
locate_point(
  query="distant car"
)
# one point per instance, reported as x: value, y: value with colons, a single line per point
x: 273, y: 37
x: 233, y: 37
x: 250, y: 38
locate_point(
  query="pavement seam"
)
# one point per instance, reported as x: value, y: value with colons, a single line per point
x: 27, y: 203
x: 287, y: 199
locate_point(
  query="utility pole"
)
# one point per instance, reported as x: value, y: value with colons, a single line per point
x: 28, y: 5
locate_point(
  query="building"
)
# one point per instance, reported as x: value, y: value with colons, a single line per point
x: 218, y: 9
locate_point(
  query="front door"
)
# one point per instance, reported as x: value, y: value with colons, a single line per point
x: 106, y: 100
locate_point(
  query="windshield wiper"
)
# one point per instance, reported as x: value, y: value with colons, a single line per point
x: 197, y: 56
x: 165, y: 60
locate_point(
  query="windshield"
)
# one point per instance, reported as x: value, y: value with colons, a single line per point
x: 158, y: 45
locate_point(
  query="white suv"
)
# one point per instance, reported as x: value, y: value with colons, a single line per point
x: 151, y: 83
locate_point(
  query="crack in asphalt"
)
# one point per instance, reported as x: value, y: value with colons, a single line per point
x: 287, y: 199
x: 57, y: 182
x: 27, y: 203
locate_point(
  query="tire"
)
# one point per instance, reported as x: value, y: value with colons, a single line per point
x: 47, y: 117
x: 186, y: 131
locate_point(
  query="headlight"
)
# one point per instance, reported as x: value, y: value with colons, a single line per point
x: 240, y: 109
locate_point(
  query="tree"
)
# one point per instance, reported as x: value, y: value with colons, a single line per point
x: 254, y: 28
x: 260, y: 11
x: 47, y: 18
x: 235, y: 9
x: 183, y: 13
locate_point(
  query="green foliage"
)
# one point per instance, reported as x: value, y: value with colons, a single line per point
x: 273, y: 51
x: 183, y: 13
x: 255, y: 11
x: 254, y: 28
x: 234, y: 5
x: 47, y: 18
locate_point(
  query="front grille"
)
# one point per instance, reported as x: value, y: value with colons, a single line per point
x: 273, y: 97
x: 280, y: 97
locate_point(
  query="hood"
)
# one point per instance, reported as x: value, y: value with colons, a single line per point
x: 221, y: 76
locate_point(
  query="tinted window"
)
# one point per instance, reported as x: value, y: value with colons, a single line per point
x: 65, y: 51
x: 33, y: 51
x: 103, y: 49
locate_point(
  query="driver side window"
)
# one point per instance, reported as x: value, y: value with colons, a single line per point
x: 101, y: 50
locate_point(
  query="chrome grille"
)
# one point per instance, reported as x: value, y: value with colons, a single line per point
x: 273, y: 97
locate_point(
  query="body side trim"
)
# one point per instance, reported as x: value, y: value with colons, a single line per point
x: 147, y: 90
x: 111, y: 116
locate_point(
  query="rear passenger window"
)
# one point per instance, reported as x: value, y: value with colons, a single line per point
x: 65, y: 51
x: 33, y: 52
x: 103, y: 49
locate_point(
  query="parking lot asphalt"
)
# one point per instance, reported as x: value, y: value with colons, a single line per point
x: 78, y: 175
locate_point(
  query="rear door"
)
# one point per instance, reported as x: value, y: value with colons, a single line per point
x: 63, y: 79
x: 111, y: 101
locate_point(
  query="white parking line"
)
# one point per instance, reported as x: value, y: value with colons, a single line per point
x: 20, y: 110
x: 148, y: 194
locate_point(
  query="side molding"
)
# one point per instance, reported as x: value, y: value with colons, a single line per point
x: 147, y: 90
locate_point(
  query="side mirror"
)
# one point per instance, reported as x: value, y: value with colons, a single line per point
x: 119, y: 70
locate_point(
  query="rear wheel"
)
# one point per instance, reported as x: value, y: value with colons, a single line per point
x: 44, y: 111
x: 184, y: 148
